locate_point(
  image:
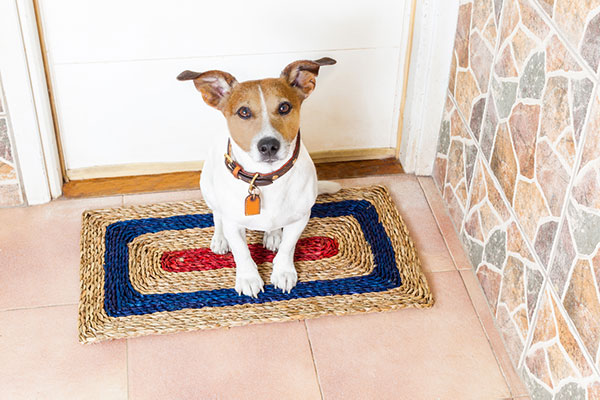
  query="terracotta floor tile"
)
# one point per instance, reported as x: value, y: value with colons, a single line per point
x: 486, y: 318
x: 415, y: 212
x: 162, y: 197
x: 271, y: 361
x: 411, y: 354
x: 39, y: 252
x: 41, y: 358
x: 445, y: 223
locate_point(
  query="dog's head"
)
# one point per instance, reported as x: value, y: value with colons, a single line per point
x: 263, y: 116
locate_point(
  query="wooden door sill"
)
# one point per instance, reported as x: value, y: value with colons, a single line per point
x: 190, y: 180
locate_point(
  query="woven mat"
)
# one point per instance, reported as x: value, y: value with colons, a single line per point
x: 149, y: 270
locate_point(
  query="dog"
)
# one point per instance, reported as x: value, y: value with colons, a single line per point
x: 260, y: 176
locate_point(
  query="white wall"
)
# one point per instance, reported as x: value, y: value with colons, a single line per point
x: 114, y: 63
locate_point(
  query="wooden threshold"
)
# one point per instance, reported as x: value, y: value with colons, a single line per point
x: 190, y: 180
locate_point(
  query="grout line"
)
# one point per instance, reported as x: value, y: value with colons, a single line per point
x: 312, y: 356
x: 38, y: 307
x: 127, y: 367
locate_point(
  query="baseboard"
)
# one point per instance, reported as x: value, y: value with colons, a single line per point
x: 189, y: 179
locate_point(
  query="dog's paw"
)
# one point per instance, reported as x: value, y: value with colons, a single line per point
x: 249, y: 284
x: 284, y: 279
x: 272, y: 240
x: 219, y: 244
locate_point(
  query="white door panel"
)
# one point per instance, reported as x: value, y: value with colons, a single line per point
x: 113, y: 65
x: 114, y: 30
x: 137, y: 112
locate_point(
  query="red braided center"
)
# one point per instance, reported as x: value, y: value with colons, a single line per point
x: 307, y: 249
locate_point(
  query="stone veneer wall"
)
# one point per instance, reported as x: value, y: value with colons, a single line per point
x: 518, y: 165
x: 10, y: 189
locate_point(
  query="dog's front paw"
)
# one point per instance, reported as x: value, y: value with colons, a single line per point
x: 219, y: 244
x: 249, y: 284
x: 272, y: 240
x: 284, y: 278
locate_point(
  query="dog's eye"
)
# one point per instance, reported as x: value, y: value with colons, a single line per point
x: 244, y: 113
x: 284, y: 108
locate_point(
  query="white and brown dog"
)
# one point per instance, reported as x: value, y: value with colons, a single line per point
x: 266, y: 179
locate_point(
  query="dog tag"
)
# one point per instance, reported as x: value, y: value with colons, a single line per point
x: 253, y: 204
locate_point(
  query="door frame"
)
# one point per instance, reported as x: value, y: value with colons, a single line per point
x: 430, y: 37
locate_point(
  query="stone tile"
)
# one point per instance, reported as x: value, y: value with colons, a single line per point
x: 490, y: 281
x: 510, y: 19
x: 461, y: 41
x: 510, y: 333
x: 505, y: 66
x: 563, y: 259
x: 591, y: 148
x: 590, y: 45
x: 530, y: 207
x: 558, y: 58
x: 513, y: 290
x: 452, y: 78
x: 488, y: 132
x: 578, y: 22
x: 477, y: 117
x: 544, y: 241
x: 582, y: 92
x: 556, y: 115
x: 516, y: 242
x: 481, y: 61
x: 10, y: 195
x: 505, y: 94
x: 569, y: 344
x: 503, y: 161
x: 7, y: 172
x: 532, y: 20
x: 565, y: 360
x: 494, y: 252
x: 552, y: 176
x: 538, y: 365
x: 523, y: 123
x: 533, y: 78
x: 582, y: 304
x: 5, y: 147
x: 536, y: 389
x: 585, y: 227
x: 522, y: 46
x: 466, y: 91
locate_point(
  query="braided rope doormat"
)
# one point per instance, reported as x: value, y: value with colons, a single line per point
x: 149, y: 270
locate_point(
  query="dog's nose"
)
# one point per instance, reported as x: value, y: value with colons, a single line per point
x: 268, y: 146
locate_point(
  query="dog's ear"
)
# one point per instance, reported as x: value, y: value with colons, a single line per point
x: 215, y: 86
x: 302, y: 74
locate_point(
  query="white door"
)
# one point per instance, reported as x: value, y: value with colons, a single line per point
x: 120, y: 109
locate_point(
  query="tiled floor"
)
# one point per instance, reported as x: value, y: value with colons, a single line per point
x: 451, y: 351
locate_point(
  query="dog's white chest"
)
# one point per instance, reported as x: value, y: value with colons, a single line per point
x: 285, y: 201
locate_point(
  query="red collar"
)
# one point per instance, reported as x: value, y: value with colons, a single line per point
x: 258, y: 178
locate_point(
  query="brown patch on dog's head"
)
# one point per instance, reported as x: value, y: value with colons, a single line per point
x: 255, y: 109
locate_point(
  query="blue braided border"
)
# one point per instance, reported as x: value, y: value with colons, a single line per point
x: 121, y: 299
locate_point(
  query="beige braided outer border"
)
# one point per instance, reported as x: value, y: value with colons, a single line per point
x: 95, y: 325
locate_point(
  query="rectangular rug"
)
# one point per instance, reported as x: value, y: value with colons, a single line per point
x: 149, y: 269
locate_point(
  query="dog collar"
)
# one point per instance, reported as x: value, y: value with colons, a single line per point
x: 255, y: 178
